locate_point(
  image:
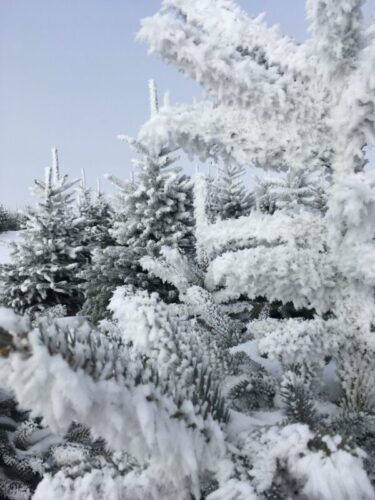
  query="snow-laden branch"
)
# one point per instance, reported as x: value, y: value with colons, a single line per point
x: 234, y: 57
x: 337, y: 30
x: 68, y: 372
x: 283, y: 272
x: 253, y: 136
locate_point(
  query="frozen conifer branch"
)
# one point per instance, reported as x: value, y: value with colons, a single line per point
x: 97, y: 367
x: 55, y: 165
x: 265, y: 85
x: 154, y: 104
x: 337, y: 30
x: 83, y: 178
x: 311, y: 241
x: 48, y: 180
x: 233, y: 352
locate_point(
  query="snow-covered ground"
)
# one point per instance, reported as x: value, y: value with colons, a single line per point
x: 5, y: 244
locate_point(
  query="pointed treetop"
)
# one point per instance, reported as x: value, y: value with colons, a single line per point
x: 55, y: 165
x: 153, y: 92
x: 98, y: 188
x: 83, y: 178
x: 48, y: 180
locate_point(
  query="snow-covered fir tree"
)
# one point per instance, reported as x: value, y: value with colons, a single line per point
x: 230, y: 197
x: 153, y: 209
x: 44, y: 269
x: 292, y: 190
x: 94, y: 214
x: 312, y: 249
x: 158, y: 211
x: 199, y: 405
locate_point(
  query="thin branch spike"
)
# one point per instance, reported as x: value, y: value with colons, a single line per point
x: 153, y: 92
x: 48, y: 179
x: 55, y: 165
x: 83, y: 178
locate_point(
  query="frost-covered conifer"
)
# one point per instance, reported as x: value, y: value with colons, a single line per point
x: 292, y: 191
x: 151, y: 391
x: 231, y: 199
x: 306, y: 109
x: 153, y: 209
x: 45, y: 265
x: 206, y: 408
x: 94, y: 213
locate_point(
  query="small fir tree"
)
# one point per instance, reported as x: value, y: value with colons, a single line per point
x: 94, y: 214
x: 231, y: 199
x: 153, y: 210
x: 45, y: 265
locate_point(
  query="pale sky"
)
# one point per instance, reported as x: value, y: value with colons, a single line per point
x: 73, y: 76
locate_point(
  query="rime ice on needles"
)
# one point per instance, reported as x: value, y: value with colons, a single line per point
x: 256, y: 379
x: 308, y: 109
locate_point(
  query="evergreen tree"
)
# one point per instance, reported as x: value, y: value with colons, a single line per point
x: 158, y: 211
x: 231, y: 200
x: 153, y: 210
x: 94, y: 214
x: 300, y: 252
x: 45, y: 265
x: 206, y: 408
x: 294, y: 190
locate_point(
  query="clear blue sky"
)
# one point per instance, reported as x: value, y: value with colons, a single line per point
x: 72, y: 75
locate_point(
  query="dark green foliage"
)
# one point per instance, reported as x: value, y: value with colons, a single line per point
x: 9, y: 220
x: 284, y: 487
x: 278, y: 310
x: 358, y: 428
x: 153, y: 211
x: 208, y: 485
x: 300, y: 188
x: 255, y: 389
x: 229, y: 197
x: 252, y: 394
x: 110, y: 268
x: 298, y: 403
x: 20, y: 471
x: 79, y: 453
